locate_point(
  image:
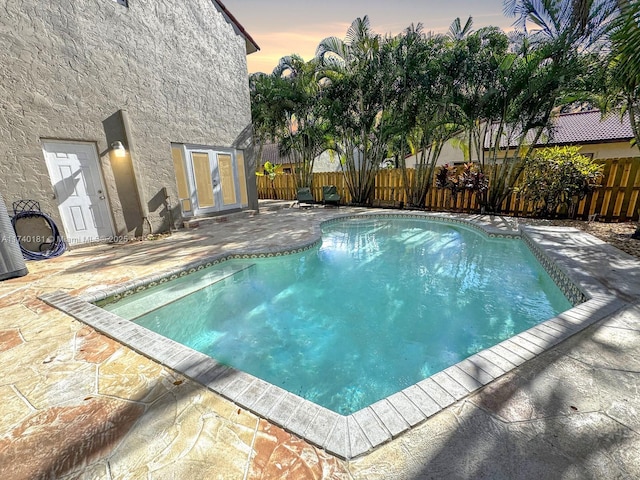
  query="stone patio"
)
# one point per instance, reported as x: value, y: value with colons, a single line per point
x: 77, y: 404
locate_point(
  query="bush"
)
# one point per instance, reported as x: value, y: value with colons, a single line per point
x: 473, y: 179
x: 557, y: 177
x: 447, y: 177
x: 470, y: 179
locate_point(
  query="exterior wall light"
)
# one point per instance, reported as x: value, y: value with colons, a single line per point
x: 118, y: 150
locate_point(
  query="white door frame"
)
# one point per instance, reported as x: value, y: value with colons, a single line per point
x: 108, y: 228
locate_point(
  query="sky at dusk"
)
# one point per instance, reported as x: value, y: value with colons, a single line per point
x: 284, y: 27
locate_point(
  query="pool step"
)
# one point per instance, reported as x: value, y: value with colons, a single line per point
x: 162, y: 295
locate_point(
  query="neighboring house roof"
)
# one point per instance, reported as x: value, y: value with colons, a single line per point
x: 590, y: 127
x: 271, y: 153
x: 584, y: 128
x: 252, y: 46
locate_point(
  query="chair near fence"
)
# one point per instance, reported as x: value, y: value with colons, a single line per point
x: 305, y: 197
x: 330, y: 195
x: 617, y: 200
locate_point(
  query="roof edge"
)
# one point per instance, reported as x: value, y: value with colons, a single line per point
x: 252, y: 46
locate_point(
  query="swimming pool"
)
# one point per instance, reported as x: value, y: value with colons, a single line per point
x: 379, y: 305
x: 349, y: 436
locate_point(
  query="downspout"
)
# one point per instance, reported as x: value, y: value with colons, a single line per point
x: 142, y: 201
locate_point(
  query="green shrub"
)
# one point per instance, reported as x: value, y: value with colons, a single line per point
x: 559, y: 177
x: 272, y: 171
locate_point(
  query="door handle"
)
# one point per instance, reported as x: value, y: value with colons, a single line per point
x: 102, y: 197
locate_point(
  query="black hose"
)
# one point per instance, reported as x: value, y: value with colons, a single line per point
x: 56, y: 248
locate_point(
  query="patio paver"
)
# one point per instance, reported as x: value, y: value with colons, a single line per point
x: 77, y: 404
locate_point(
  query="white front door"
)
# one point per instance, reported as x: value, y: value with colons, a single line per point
x: 215, y: 180
x: 77, y: 182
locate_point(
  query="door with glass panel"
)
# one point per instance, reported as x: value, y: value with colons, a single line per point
x: 215, y: 180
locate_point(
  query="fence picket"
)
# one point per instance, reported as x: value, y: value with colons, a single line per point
x: 617, y: 200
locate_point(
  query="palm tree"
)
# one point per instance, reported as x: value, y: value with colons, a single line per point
x: 457, y: 32
x: 487, y: 81
x: 356, y: 90
x: 578, y: 23
x: 545, y: 60
x: 304, y: 135
x: 617, y: 22
x: 624, y: 65
x: 420, y: 117
x: 267, y: 107
x: 624, y: 62
x: 285, y: 109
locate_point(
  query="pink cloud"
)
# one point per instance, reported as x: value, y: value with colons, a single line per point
x: 274, y: 45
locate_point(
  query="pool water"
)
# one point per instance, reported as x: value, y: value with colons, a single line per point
x: 380, y: 305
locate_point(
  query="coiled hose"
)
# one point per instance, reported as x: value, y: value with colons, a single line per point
x: 56, y: 248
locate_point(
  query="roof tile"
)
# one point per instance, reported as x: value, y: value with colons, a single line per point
x: 581, y: 128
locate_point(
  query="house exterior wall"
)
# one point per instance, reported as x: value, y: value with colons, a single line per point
x: 178, y: 70
x: 449, y: 154
x: 327, y: 162
x: 600, y: 151
x: 604, y: 151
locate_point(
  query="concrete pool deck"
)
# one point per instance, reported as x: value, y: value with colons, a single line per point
x: 77, y: 404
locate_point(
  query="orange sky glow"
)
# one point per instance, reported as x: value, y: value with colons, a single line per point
x: 284, y: 27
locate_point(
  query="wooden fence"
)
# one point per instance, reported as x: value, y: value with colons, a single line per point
x: 615, y: 201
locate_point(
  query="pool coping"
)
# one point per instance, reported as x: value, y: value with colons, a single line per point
x: 353, y: 435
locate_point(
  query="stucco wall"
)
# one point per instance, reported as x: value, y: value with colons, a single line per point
x: 327, y: 162
x: 449, y: 154
x: 601, y: 151
x: 604, y: 151
x: 178, y: 69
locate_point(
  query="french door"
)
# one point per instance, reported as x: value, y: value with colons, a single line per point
x: 214, y: 179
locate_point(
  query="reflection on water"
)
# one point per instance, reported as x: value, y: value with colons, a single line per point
x: 380, y: 305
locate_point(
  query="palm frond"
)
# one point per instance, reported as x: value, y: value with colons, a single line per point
x: 414, y: 29
x: 293, y: 64
x: 330, y: 48
x: 582, y: 22
x: 625, y: 39
x: 457, y: 31
x: 359, y: 30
